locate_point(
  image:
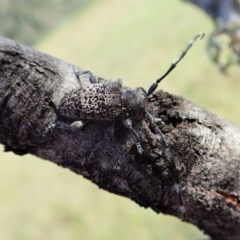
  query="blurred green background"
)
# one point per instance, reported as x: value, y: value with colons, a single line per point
x: 135, y: 40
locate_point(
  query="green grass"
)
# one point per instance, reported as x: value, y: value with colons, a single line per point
x: 135, y: 40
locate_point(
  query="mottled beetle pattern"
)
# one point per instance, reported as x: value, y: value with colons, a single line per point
x: 93, y: 101
x: 110, y: 101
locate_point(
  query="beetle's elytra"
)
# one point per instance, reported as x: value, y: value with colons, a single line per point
x: 99, y: 101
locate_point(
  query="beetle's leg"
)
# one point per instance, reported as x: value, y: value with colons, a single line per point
x: 76, y: 125
x: 85, y: 76
x: 108, y: 134
x: 59, y: 123
x: 128, y: 124
x: 171, y: 163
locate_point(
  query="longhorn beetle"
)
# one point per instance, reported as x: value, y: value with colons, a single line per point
x: 109, y: 101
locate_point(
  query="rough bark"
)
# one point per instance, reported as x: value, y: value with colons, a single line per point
x: 206, y: 147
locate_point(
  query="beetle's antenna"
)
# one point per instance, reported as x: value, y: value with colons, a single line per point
x: 174, y: 64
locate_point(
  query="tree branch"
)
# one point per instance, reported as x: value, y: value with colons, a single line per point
x: 205, y: 146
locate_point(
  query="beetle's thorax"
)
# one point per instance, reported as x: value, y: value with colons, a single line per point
x: 134, y: 102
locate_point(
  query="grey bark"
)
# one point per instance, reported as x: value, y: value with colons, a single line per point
x: 206, y: 147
